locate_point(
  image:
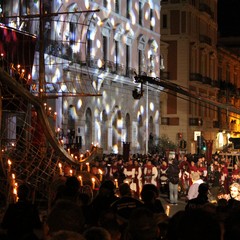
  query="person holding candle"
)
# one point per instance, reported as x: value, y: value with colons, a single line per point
x: 22, y: 218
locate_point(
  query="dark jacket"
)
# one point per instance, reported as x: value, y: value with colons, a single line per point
x: 173, y: 172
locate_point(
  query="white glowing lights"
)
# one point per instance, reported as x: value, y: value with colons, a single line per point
x: 128, y: 27
x: 153, y: 22
x: 79, y: 103
x: 87, y: 4
x: 151, y: 106
x: 98, y: 43
x: 63, y: 87
x: 99, y: 63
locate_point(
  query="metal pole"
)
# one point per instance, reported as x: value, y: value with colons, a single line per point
x: 41, y: 50
x: 147, y: 122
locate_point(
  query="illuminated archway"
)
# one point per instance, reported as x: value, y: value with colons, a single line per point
x: 88, y: 129
x: 104, y: 130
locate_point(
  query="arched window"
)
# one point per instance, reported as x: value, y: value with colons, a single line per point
x: 90, y: 38
x: 128, y: 53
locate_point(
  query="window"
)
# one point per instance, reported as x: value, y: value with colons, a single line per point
x: 117, y: 6
x: 106, y: 32
x: 127, y: 59
x: 89, y: 44
x: 151, y: 19
x: 72, y: 30
x: 105, y: 49
x: 141, y: 58
x: 140, y: 13
x: 152, y: 63
x: 25, y: 7
x: 105, y: 2
x: 116, y: 60
x: 140, y: 62
x: 128, y: 5
x: 164, y: 21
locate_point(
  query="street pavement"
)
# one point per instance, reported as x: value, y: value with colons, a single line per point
x: 173, y: 208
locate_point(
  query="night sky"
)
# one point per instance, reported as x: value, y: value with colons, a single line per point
x: 229, y: 18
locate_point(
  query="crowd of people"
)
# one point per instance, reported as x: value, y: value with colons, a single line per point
x: 174, y: 175
x: 132, y: 209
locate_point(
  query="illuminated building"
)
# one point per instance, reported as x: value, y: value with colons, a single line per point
x: 90, y: 61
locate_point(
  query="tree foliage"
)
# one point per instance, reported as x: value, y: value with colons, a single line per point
x: 161, y: 145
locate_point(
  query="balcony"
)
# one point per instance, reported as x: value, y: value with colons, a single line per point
x: 206, y: 80
x: 195, y: 77
x: 228, y: 89
x: 215, y: 84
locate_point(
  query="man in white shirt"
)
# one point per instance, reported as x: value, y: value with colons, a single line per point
x: 193, y: 190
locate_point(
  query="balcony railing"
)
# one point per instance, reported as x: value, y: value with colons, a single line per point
x: 206, y: 80
x: 215, y: 84
x: 197, y: 77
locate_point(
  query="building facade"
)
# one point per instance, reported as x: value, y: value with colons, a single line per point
x: 193, y: 60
